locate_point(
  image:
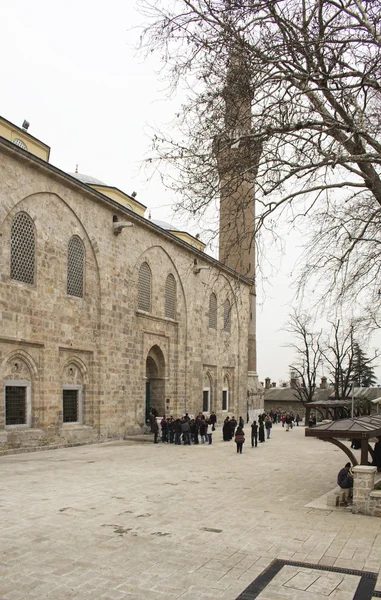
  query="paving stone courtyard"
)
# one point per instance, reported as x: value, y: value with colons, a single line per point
x: 140, y: 521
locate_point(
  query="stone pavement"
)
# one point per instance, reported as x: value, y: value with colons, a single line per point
x: 142, y: 521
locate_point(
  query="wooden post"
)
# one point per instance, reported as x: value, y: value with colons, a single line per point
x: 364, y: 451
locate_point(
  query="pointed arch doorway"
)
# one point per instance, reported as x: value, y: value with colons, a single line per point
x: 155, y: 381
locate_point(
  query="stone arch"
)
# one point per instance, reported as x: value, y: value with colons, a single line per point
x: 14, y: 362
x: 21, y: 390
x: 224, y: 289
x: 155, y: 380
x: 226, y: 391
x: 81, y: 376
x: 207, y: 392
x: 145, y: 256
x: 41, y: 192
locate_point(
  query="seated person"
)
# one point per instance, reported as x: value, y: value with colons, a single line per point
x: 345, y: 477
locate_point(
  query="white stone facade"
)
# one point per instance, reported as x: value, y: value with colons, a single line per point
x: 101, y: 345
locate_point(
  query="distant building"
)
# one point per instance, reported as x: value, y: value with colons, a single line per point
x: 285, y: 398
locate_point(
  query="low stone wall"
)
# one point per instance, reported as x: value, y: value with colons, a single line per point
x: 366, y: 500
x: 27, y: 438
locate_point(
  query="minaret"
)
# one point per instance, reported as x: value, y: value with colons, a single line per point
x: 237, y: 157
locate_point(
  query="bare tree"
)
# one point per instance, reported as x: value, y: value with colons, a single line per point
x: 340, y: 355
x: 314, y: 69
x: 308, y: 355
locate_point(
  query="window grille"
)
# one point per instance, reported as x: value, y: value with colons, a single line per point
x: 170, y: 297
x: 70, y: 406
x: 213, y: 311
x: 144, y: 291
x: 227, y: 315
x: 23, y: 245
x: 224, y: 399
x: 20, y: 143
x: 15, y: 405
x: 75, y: 267
x: 205, y: 400
x: 225, y: 394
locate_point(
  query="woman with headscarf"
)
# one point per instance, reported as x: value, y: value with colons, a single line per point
x: 239, y: 439
x: 226, y: 432
x: 261, y: 428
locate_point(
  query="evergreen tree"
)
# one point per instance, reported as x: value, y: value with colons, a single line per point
x: 363, y: 369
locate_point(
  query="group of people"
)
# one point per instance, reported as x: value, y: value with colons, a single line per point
x: 279, y: 416
x: 184, y: 430
x: 194, y: 430
x: 231, y: 431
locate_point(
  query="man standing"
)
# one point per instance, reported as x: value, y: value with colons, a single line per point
x: 288, y: 421
x: 233, y: 425
x: 185, y: 429
x: 164, y: 430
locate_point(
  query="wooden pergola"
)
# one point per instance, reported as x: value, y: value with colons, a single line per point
x: 360, y: 428
x: 330, y: 409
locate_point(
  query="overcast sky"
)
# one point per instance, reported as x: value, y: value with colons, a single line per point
x: 71, y: 69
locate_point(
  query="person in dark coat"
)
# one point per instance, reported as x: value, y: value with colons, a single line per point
x: 261, y: 429
x: 233, y: 425
x: 239, y: 439
x: 164, y: 430
x: 268, y: 426
x: 345, y: 477
x: 213, y: 420
x: 241, y: 422
x: 203, y: 429
x: 178, y: 432
x: 171, y: 429
x: 254, y: 434
x: 185, y: 429
x: 194, y: 430
x: 154, y: 427
x: 226, y: 430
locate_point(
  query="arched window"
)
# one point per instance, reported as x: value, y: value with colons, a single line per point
x: 144, y: 288
x: 23, y: 245
x: 227, y: 309
x: 170, y: 297
x: 20, y: 143
x: 225, y: 394
x: 213, y: 311
x: 75, y: 267
x: 207, y: 394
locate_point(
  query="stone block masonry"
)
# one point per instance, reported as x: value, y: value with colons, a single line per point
x: 99, y: 348
x: 366, y: 500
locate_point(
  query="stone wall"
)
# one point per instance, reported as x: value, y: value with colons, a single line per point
x: 366, y: 500
x: 100, y: 343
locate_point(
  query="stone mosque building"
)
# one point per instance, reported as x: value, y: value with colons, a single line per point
x: 105, y: 313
